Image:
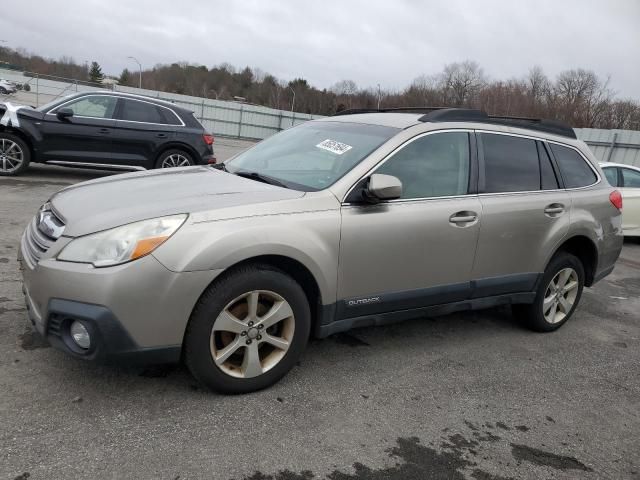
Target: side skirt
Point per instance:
(322, 331)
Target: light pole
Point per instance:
(378, 96)
(140, 68)
(293, 102)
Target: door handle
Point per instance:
(554, 209)
(103, 130)
(463, 217)
(161, 135)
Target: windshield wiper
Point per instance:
(260, 178)
(220, 166)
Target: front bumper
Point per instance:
(135, 312)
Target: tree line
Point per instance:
(576, 96)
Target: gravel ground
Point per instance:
(471, 395)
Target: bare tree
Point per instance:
(460, 82)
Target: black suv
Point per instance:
(104, 130)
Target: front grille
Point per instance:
(35, 241)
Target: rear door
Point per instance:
(525, 213)
(630, 189)
(86, 136)
(141, 130)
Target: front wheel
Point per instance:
(247, 330)
(174, 158)
(14, 154)
(558, 294)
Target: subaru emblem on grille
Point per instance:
(49, 224)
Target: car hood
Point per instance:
(116, 200)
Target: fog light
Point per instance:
(80, 335)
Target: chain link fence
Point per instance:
(222, 118)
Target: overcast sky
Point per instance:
(371, 41)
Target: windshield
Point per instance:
(312, 156)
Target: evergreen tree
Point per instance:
(125, 76)
(95, 73)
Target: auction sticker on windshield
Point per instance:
(334, 146)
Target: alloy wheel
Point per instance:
(560, 295)
(252, 334)
(175, 160)
(11, 156)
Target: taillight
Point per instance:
(208, 139)
(212, 161)
(616, 199)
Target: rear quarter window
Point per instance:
(574, 169)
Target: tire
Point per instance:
(15, 155)
(3, 91)
(221, 326)
(174, 158)
(564, 275)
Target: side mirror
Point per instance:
(383, 187)
(64, 112)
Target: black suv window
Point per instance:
(435, 165)
(135, 111)
(575, 171)
(511, 164)
(95, 106)
(631, 178)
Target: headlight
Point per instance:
(122, 244)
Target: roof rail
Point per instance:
(445, 114)
(470, 115)
(354, 111)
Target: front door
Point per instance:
(86, 136)
(418, 250)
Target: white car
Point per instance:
(627, 179)
(7, 87)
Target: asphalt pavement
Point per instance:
(463, 396)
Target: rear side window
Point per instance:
(575, 171)
(631, 178)
(612, 175)
(435, 165)
(170, 118)
(511, 164)
(135, 111)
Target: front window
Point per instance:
(94, 106)
(314, 155)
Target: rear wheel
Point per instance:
(3, 91)
(247, 331)
(14, 154)
(558, 294)
(174, 158)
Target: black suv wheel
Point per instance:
(14, 154)
(174, 158)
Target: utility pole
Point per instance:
(140, 69)
(378, 96)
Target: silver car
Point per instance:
(350, 221)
